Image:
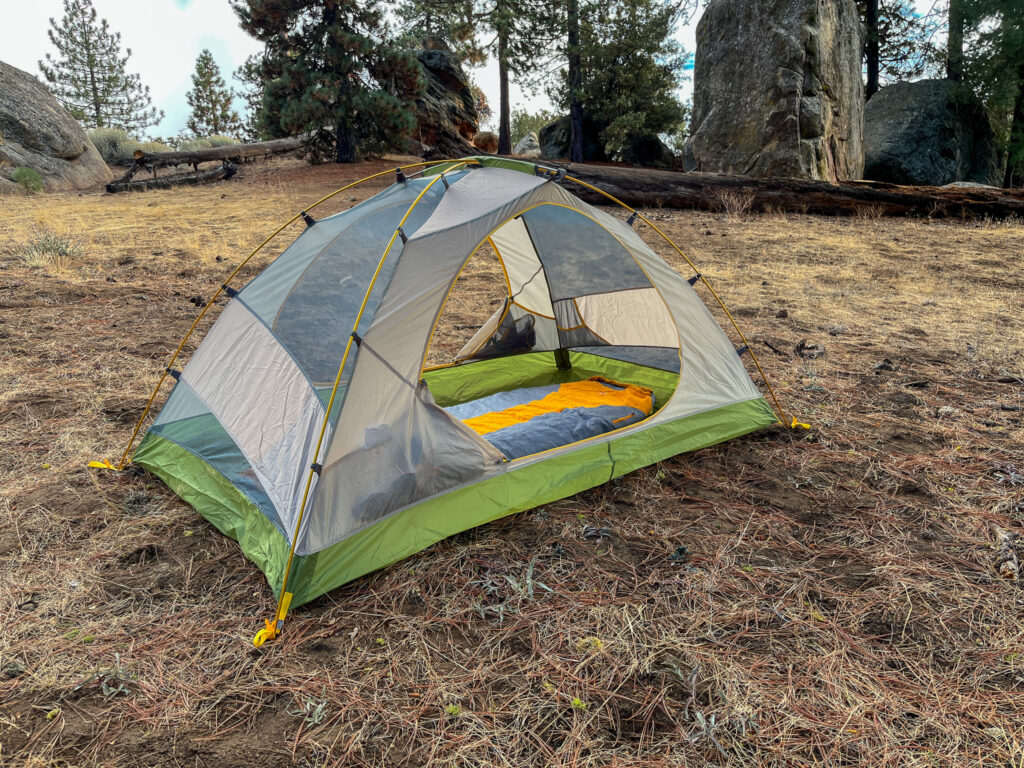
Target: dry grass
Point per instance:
(823, 598)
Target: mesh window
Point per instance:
(186, 421)
(310, 295)
(579, 256)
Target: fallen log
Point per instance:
(648, 188)
(225, 171)
(234, 153)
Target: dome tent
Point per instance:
(307, 426)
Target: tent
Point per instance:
(307, 426)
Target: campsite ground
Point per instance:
(821, 597)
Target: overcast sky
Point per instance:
(165, 37)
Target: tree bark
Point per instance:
(672, 189)
(504, 110)
(233, 152)
(955, 43)
(346, 149)
(871, 47)
(1014, 166)
(225, 171)
(575, 83)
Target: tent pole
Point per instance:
(273, 628)
(105, 464)
(735, 325)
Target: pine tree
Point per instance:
(330, 64)
(250, 74)
(521, 35)
(993, 67)
(630, 69)
(89, 75)
(210, 99)
(451, 20)
(898, 43)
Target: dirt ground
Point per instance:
(825, 597)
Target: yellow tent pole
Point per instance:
(167, 368)
(667, 239)
(273, 628)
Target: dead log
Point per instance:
(225, 171)
(649, 188)
(234, 153)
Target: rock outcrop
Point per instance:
(649, 151)
(446, 116)
(928, 132)
(486, 142)
(778, 89)
(528, 146)
(554, 140)
(38, 133)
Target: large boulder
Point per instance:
(554, 140)
(649, 151)
(446, 116)
(930, 132)
(528, 146)
(38, 133)
(778, 89)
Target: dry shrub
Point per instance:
(50, 251)
(734, 202)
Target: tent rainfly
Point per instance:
(307, 427)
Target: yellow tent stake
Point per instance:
(272, 630)
(667, 239)
(230, 277)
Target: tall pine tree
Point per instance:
(250, 75)
(89, 75)
(898, 42)
(330, 64)
(630, 69)
(210, 100)
(993, 67)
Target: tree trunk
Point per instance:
(504, 111)
(955, 44)
(232, 152)
(1013, 165)
(575, 84)
(672, 189)
(226, 171)
(346, 145)
(871, 48)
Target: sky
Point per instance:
(165, 36)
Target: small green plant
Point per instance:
(28, 179)
(50, 250)
(312, 711)
(113, 681)
(453, 709)
(579, 704)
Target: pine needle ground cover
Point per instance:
(828, 597)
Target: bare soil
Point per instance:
(813, 597)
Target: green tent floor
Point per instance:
(519, 485)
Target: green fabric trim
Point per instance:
(489, 161)
(220, 502)
(416, 527)
(462, 383)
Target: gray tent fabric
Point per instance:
(428, 449)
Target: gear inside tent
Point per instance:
(308, 427)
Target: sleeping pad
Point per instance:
(525, 421)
